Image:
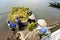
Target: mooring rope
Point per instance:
(5, 13)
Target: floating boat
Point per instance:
(55, 4)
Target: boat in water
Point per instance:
(57, 5)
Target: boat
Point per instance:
(55, 4)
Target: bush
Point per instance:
(31, 26)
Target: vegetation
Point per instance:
(31, 26)
(21, 11)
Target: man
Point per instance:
(42, 29)
(31, 18)
(19, 23)
(12, 26)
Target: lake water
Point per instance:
(40, 8)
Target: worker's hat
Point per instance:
(32, 16)
(42, 22)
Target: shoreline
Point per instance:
(55, 25)
(6, 32)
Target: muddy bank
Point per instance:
(5, 32)
(56, 25)
(4, 35)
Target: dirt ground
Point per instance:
(5, 34)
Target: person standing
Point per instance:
(19, 23)
(31, 19)
(12, 26)
(41, 28)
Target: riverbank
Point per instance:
(6, 33)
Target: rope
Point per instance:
(4, 13)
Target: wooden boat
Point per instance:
(55, 4)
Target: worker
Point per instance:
(19, 23)
(12, 26)
(41, 28)
(31, 18)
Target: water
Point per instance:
(39, 7)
